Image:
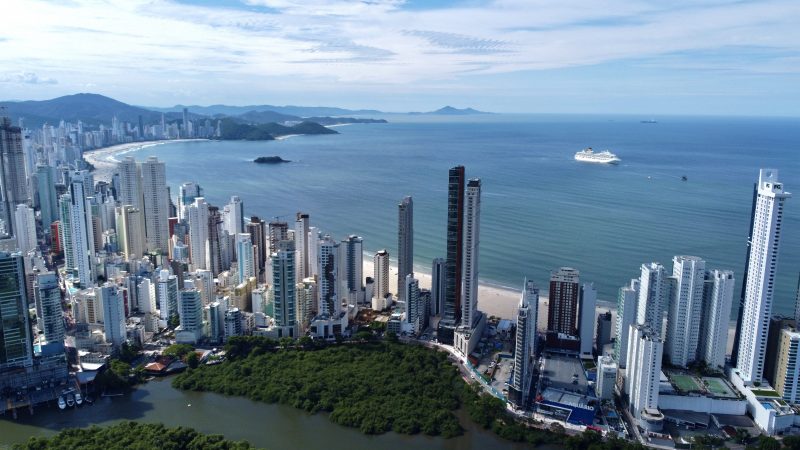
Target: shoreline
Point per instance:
(104, 159)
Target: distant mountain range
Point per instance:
(95, 109)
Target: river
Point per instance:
(274, 427)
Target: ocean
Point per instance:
(540, 208)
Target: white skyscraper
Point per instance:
(525, 347)
(405, 243)
(653, 295)
(761, 268)
(685, 308)
(381, 278)
(80, 236)
(130, 232)
(233, 216)
(588, 308)
(190, 307)
(472, 227)
(113, 314)
(25, 228)
(198, 232)
(643, 372)
(167, 295)
(156, 205)
(626, 316)
(186, 195)
(717, 302)
(245, 257)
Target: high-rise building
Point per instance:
(437, 286)
(718, 299)
(606, 377)
(327, 283)
(25, 228)
(167, 295)
(405, 243)
(797, 302)
(284, 283)
(685, 307)
(413, 306)
(643, 375)
(472, 227)
(278, 231)
(190, 307)
(185, 128)
(519, 388)
(76, 214)
(130, 232)
(46, 190)
(787, 365)
(454, 263)
(603, 333)
(234, 216)
(353, 263)
(48, 295)
(13, 183)
(306, 306)
(217, 239)
(186, 195)
(245, 256)
(15, 345)
(653, 295)
(562, 314)
(113, 302)
(156, 205)
(760, 277)
(588, 308)
(198, 232)
(257, 231)
(130, 183)
(302, 242)
(381, 278)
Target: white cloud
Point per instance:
(26, 78)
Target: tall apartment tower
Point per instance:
(588, 319)
(190, 307)
(278, 231)
(437, 286)
(302, 242)
(156, 205)
(761, 268)
(284, 283)
(48, 295)
(130, 232)
(257, 229)
(113, 302)
(414, 307)
(626, 316)
(381, 279)
(46, 190)
(197, 214)
(454, 263)
(787, 365)
(245, 257)
(405, 243)
(13, 183)
(25, 228)
(15, 347)
(328, 256)
(353, 262)
(797, 302)
(562, 314)
(215, 242)
(643, 372)
(234, 216)
(653, 295)
(685, 307)
(472, 228)
(167, 295)
(130, 183)
(525, 347)
(186, 195)
(717, 303)
(80, 236)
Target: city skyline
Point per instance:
(726, 57)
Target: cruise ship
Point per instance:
(604, 157)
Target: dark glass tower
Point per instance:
(451, 315)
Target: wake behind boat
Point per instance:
(589, 155)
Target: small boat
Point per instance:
(684, 178)
(61, 403)
(70, 400)
(78, 399)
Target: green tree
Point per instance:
(178, 350)
(791, 442)
(768, 443)
(192, 360)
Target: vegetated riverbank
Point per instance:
(132, 435)
(376, 387)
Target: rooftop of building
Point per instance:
(686, 383)
(566, 373)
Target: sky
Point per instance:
(541, 56)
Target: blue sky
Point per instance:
(605, 56)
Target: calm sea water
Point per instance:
(540, 208)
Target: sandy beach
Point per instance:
(105, 159)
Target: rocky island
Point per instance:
(270, 160)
